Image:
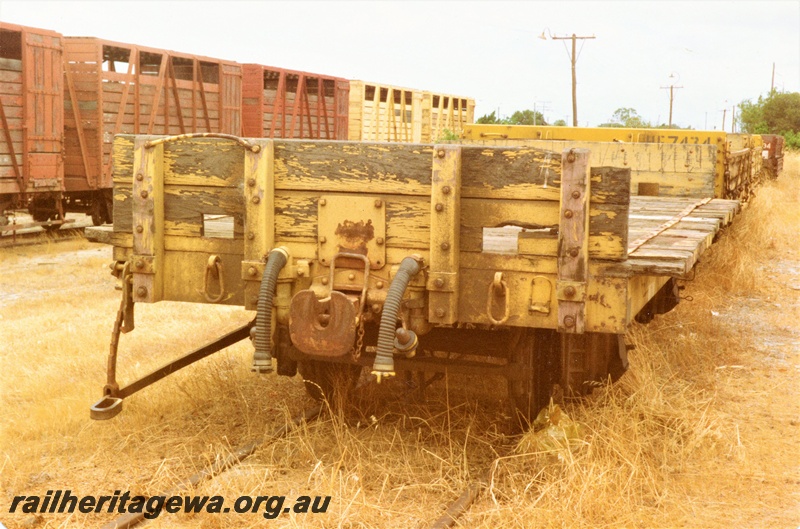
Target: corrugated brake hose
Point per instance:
(384, 359)
(262, 357)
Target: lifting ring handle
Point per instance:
(214, 268)
(497, 284)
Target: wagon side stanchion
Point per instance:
(142, 275)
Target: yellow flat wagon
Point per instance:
(531, 264)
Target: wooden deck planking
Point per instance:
(676, 249)
(672, 252)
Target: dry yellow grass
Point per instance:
(701, 432)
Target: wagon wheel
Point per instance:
(98, 213)
(44, 210)
(327, 380)
(536, 355)
(102, 205)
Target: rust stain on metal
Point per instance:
(322, 328)
(354, 236)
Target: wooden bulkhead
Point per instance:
(282, 196)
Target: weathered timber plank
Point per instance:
(368, 167)
(607, 225)
(407, 219)
(515, 173)
(204, 162)
(573, 242)
(196, 162)
(679, 169)
(642, 266)
(184, 208)
(123, 208)
(608, 231)
(610, 185)
(101, 234)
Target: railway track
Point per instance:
(449, 518)
(471, 492)
(38, 235)
(237, 456)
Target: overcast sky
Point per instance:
(720, 52)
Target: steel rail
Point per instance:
(237, 456)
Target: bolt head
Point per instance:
(252, 271)
(569, 292)
(250, 235)
(378, 203)
(445, 246)
(576, 194)
(440, 153)
(323, 240)
(324, 280)
(139, 263)
(379, 284)
(574, 252)
(251, 182)
(446, 190)
(440, 207)
(569, 321)
(143, 194)
(379, 241)
(568, 214)
(139, 229)
(439, 313)
(438, 282)
(351, 277)
(256, 199)
(322, 202)
(141, 292)
(376, 307)
(571, 157)
(139, 176)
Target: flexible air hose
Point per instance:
(262, 359)
(384, 359)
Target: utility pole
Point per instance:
(772, 86)
(671, 97)
(543, 108)
(573, 59)
(733, 119)
(724, 111)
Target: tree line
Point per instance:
(622, 117)
(520, 117)
(777, 113)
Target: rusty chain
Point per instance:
(359, 340)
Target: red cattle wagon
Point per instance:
(31, 116)
(117, 88)
(280, 103)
